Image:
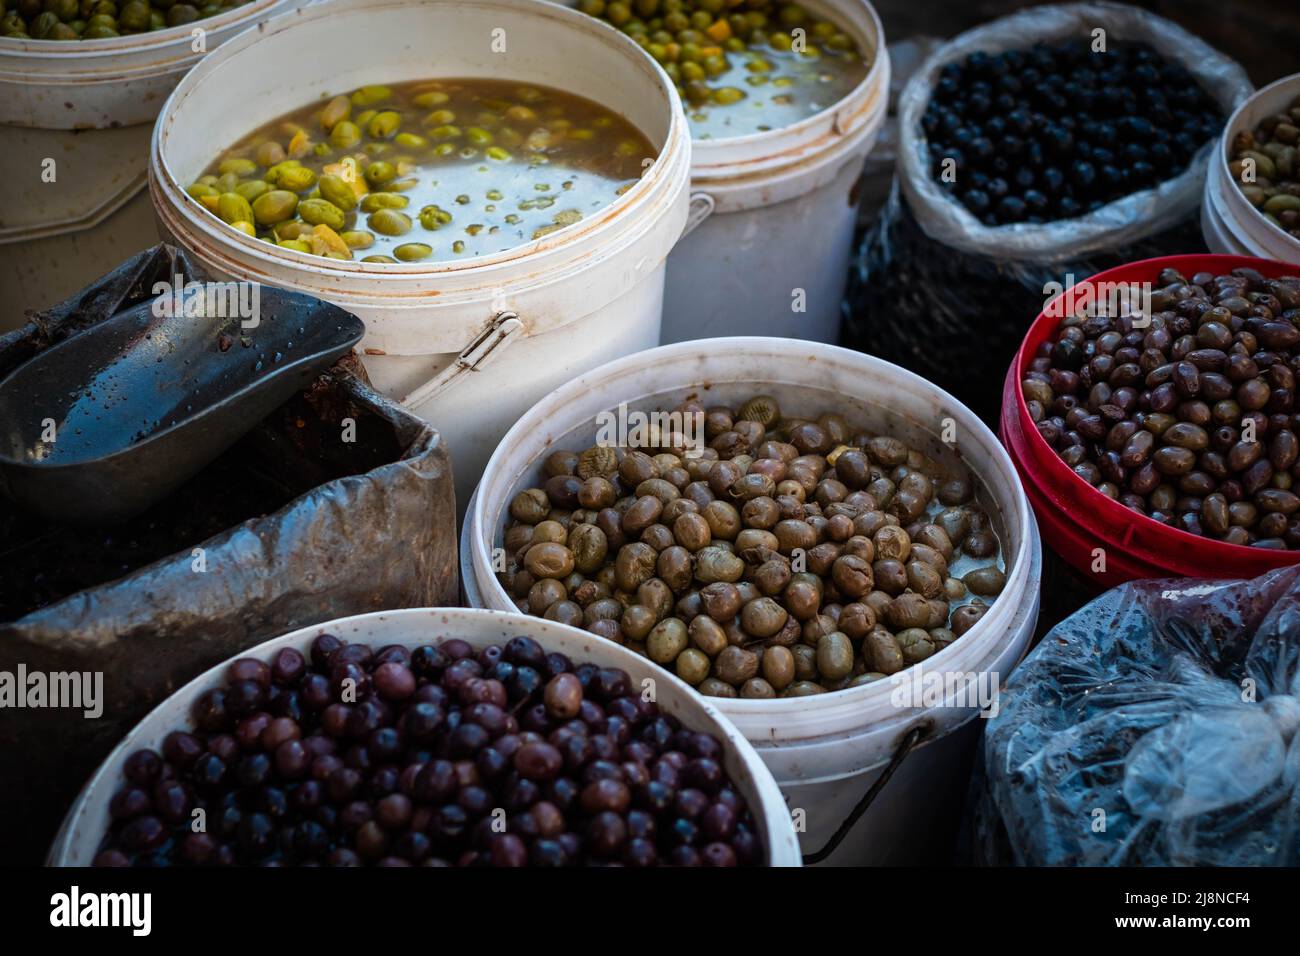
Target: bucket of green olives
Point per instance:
(507, 210)
(790, 528)
(784, 99)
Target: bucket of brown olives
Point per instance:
(1161, 440)
(797, 530)
(1251, 204)
(432, 737)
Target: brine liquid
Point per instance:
(480, 166)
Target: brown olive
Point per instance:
(965, 617)
(763, 617)
(637, 621)
(721, 600)
(530, 506)
(723, 519)
(852, 576)
(559, 463)
(778, 667)
(880, 649)
(761, 512)
(666, 640)
(924, 579)
(565, 612)
(589, 547)
(908, 610)
(803, 596)
(707, 635)
(596, 492)
(634, 564)
(915, 644)
(549, 560)
(674, 567)
(597, 460)
(892, 542)
(658, 537)
(714, 564)
(834, 656)
(642, 514)
(735, 665)
(543, 594)
(986, 582)
(890, 575)
(857, 620)
(657, 596)
(712, 687)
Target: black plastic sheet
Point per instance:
(1156, 726)
(957, 318)
(295, 525)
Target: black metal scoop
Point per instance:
(97, 428)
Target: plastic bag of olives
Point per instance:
(1165, 709)
(1029, 154)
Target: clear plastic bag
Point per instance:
(1156, 726)
(1115, 224)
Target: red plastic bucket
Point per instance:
(1081, 524)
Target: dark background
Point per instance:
(1262, 35)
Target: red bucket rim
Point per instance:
(1061, 474)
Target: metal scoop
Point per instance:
(104, 424)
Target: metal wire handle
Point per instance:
(905, 747)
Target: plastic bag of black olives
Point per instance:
(294, 526)
(1066, 160)
(1155, 727)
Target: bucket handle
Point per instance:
(492, 341)
(700, 208)
(905, 747)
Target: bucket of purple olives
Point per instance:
(800, 532)
(1151, 412)
(432, 737)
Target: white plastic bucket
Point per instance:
(86, 106)
(468, 345)
(86, 823)
(773, 213)
(826, 750)
(1229, 223)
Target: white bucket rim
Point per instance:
(770, 814)
(868, 703)
(657, 178)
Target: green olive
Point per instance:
(338, 191)
(373, 202)
(389, 222)
(379, 173)
(413, 251)
(274, 207)
(318, 211)
(232, 207)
